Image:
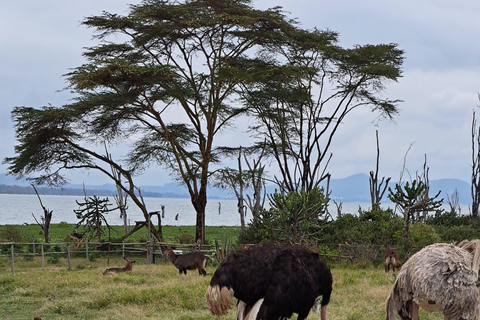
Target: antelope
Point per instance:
(114, 271)
(188, 261)
(391, 259)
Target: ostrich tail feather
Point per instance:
(219, 300)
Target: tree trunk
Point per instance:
(241, 209)
(475, 187)
(199, 203)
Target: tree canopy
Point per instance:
(166, 79)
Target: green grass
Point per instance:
(60, 232)
(154, 291)
(157, 291)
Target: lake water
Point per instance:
(18, 209)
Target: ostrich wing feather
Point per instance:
(438, 278)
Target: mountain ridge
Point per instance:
(354, 188)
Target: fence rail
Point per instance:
(149, 249)
(152, 249)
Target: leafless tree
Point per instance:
(475, 187)
(339, 206)
(377, 190)
(45, 219)
(257, 181)
(240, 180)
(121, 196)
(425, 195)
(453, 202)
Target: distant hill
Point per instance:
(354, 188)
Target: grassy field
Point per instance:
(157, 291)
(60, 232)
(154, 291)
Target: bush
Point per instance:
(186, 239)
(422, 235)
(92, 256)
(295, 217)
(53, 258)
(12, 234)
(370, 230)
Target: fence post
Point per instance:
(149, 253)
(68, 257)
(33, 247)
(43, 257)
(339, 253)
(123, 248)
(12, 255)
(108, 255)
(86, 248)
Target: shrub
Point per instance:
(92, 256)
(53, 258)
(294, 217)
(423, 235)
(10, 233)
(186, 239)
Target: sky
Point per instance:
(41, 41)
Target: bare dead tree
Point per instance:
(241, 181)
(45, 219)
(425, 195)
(453, 203)
(339, 207)
(475, 186)
(377, 190)
(241, 209)
(257, 181)
(121, 197)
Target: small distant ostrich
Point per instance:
(391, 259)
(270, 281)
(440, 277)
(115, 271)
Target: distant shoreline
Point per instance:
(8, 189)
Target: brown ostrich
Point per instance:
(439, 278)
(270, 281)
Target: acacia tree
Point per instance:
(52, 140)
(162, 80)
(303, 102)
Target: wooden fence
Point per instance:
(151, 250)
(148, 249)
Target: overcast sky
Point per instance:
(41, 40)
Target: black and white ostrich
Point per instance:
(270, 281)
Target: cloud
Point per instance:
(42, 40)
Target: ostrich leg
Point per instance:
(415, 308)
